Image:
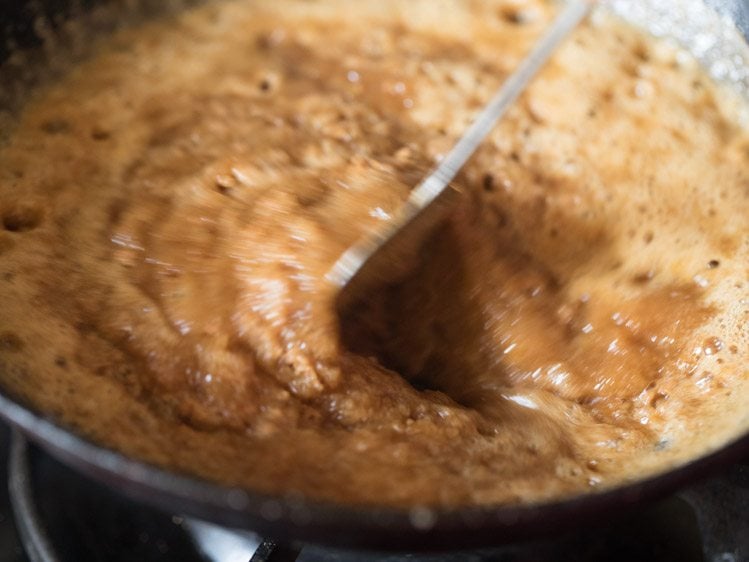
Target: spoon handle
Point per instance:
(437, 182)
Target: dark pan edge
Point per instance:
(293, 519)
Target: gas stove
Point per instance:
(48, 513)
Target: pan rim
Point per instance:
(326, 523)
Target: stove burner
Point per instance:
(33, 536)
(61, 516)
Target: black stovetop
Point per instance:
(85, 521)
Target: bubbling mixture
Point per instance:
(170, 208)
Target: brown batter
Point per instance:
(171, 207)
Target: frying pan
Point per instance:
(23, 26)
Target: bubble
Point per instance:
(422, 518)
(55, 126)
(10, 342)
(21, 218)
(271, 510)
(237, 499)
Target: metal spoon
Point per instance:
(381, 255)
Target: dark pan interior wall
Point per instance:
(18, 20)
